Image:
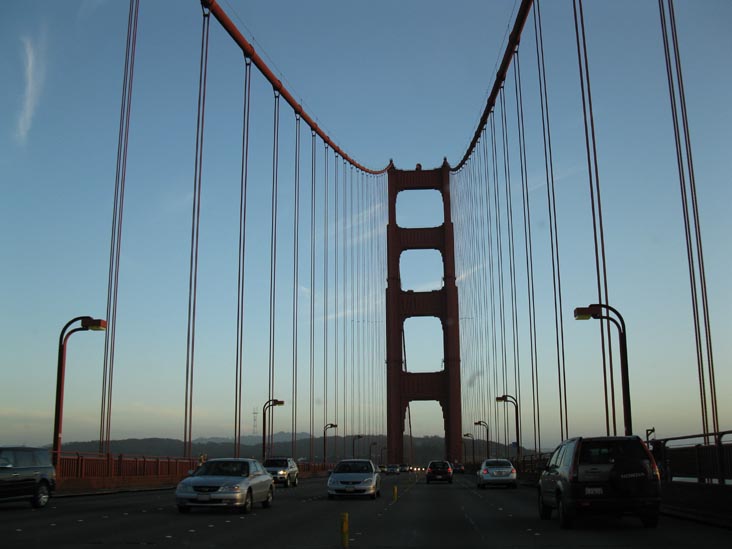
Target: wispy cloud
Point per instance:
(88, 7)
(35, 72)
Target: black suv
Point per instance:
(614, 475)
(284, 470)
(439, 470)
(26, 474)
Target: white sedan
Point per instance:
(226, 482)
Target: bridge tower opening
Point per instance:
(443, 385)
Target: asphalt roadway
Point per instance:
(437, 515)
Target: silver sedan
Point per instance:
(226, 482)
(354, 477)
(497, 472)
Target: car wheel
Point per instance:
(184, 509)
(565, 519)
(41, 495)
(330, 496)
(545, 512)
(649, 520)
(268, 502)
(373, 496)
(287, 482)
(450, 481)
(247, 507)
(427, 481)
(295, 481)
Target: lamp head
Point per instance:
(502, 398)
(96, 324)
(278, 403)
(586, 313)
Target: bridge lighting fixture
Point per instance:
(598, 312)
(267, 405)
(87, 323)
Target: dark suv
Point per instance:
(439, 470)
(26, 474)
(284, 470)
(614, 475)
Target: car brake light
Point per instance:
(449, 470)
(485, 471)
(513, 471)
(429, 469)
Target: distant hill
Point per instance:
(420, 450)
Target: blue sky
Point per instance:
(387, 80)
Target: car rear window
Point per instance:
(599, 452)
(498, 463)
(439, 465)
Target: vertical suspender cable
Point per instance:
(335, 297)
(242, 255)
(344, 310)
(325, 294)
(512, 267)
(501, 291)
(195, 223)
(273, 259)
(116, 238)
(313, 160)
(295, 284)
(595, 197)
(553, 229)
(529, 255)
(698, 262)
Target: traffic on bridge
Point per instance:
(468, 262)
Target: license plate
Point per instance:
(204, 497)
(438, 476)
(349, 489)
(594, 491)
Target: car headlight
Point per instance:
(230, 488)
(281, 472)
(368, 480)
(332, 481)
(184, 487)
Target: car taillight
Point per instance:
(429, 469)
(449, 470)
(485, 471)
(513, 471)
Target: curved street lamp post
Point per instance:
(487, 437)
(87, 323)
(353, 444)
(512, 400)
(267, 405)
(325, 439)
(470, 436)
(596, 311)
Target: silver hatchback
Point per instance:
(226, 482)
(497, 472)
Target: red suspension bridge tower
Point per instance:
(402, 386)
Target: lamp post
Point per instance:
(381, 454)
(325, 440)
(267, 405)
(470, 436)
(373, 444)
(512, 400)
(487, 437)
(596, 311)
(353, 444)
(87, 323)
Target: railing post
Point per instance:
(699, 473)
(721, 469)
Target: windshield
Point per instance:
(223, 469)
(276, 463)
(353, 467)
